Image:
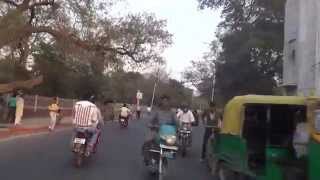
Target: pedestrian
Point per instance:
(12, 105)
(138, 111)
(19, 108)
(212, 122)
(3, 105)
(53, 112)
(108, 110)
(196, 118)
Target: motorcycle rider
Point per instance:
(185, 116)
(163, 115)
(86, 115)
(124, 112)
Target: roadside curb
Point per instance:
(25, 131)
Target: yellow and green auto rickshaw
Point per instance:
(267, 138)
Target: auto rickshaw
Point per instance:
(258, 139)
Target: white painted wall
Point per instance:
(302, 25)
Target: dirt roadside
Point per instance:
(31, 126)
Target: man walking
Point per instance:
(19, 109)
(138, 111)
(12, 105)
(212, 122)
(53, 112)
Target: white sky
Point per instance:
(192, 29)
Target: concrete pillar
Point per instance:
(306, 46)
(317, 61)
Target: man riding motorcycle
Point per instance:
(87, 116)
(186, 119)
(185, 116)
(124, 112)
(164, 115)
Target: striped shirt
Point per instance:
(86, 114)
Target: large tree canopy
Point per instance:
(82, 27)
(251, 41)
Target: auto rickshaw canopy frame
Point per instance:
(233, 116)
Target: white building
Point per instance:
(301, 73)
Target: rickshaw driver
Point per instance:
(301, 136)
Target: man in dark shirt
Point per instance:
(163, 115)
(212, 122)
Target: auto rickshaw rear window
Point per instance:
(270, 126)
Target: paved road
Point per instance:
(48, 157)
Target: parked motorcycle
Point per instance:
(185, 138)
(80, 146)
(164, 149)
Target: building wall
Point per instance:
(317, 61)
(290, 73)
(301, 50)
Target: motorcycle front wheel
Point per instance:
(78, 160)
(183, 151)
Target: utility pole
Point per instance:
(212, 91)
(213, 82)
(155, 87)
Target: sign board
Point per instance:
(139, 95)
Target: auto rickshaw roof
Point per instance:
(233, 112)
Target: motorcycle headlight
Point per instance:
(171, 140)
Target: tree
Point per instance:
(201, 74)
(251, 39)
(83, 28)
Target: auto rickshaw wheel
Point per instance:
(225, 173)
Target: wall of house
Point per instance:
(301, 50)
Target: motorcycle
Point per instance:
(80, 146)
(123, 122)
(164, 149)
(185, 138)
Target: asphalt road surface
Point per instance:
(48, 157)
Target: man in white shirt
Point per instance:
(124, 112)
(88, 116)
(185, 116)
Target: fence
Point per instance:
(37, 106)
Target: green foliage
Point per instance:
(73, 79)
(84, 27)
(251, 39)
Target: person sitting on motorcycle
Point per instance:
(124, 112)
(163, 115)
(86, 115)
(185, 116)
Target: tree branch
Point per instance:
(42, 3)
(10, 2)
(85, 44)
